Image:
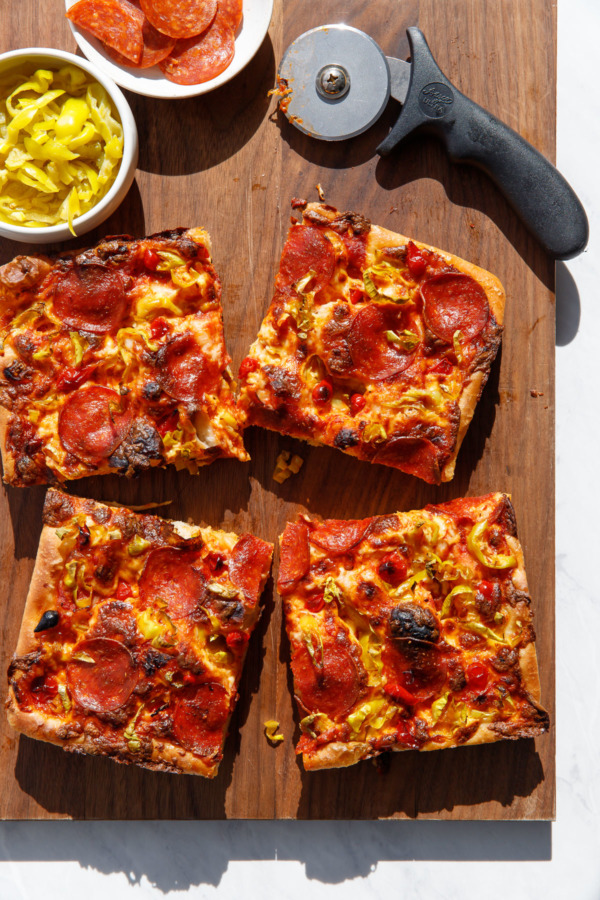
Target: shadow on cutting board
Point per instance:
(198, 133)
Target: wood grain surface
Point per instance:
(227, 161)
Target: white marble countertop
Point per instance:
(54, 860)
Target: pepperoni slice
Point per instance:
(305, 250)
(91, 297)
(106, 683)
(231, 12)
(114, 23)
(115, 620)
(174, 576)
(184, 371)
(93, 422)
(294, 557)
(200, 718)
(454, 302)
(419, 667)
(180, 18)
(339, 536)
(155, 45)
(329, 683)
(373, 355)
(415, 455)
(249, 560)
(199, 59)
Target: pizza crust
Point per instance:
(165, 757)
(8, 460)
(47, 561)
(337, 755)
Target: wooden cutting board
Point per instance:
(228, 161)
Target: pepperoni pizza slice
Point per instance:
(374, 344)
(134, 635)
(410, 631)
(113, 360)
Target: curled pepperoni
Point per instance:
(373, 355)
(305, 250)
(231, 12)
(105, 683)
(91, 297)
(155, 45)
(454, 302)
(415, 455)
(339, 536)
(174, 576)
(201, 58)
(294, 556)
(418, 667)
(185, 373)
(200, 718)
(115, 23)
(248, 564)
(93, 422)
(329, 683)
(180, 18)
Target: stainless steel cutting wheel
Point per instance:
(339, 80)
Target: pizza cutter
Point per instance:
(339, 82)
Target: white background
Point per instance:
(89, 861)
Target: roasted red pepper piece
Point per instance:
(477, 676)
(322, 392)
(71, 378)
(159, 328)
(248, 365)
(169, 423)
(236, 641)
(415, 261)
(151, 259)
(357, 402)
(397, 692)
(123, 591)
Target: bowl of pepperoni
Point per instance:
(169, 48)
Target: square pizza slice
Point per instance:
(134, 635)
(375, 344)
(410, 631)
(113, 360)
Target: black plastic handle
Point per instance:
(537, 191)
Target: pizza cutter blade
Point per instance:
(335, 81)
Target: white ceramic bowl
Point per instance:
(152, 82)
(39, 57)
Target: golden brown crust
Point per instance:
(467, 403)
(530, 675)
(8, 460)
(336, 755)
(165, 757)
(47, 561)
